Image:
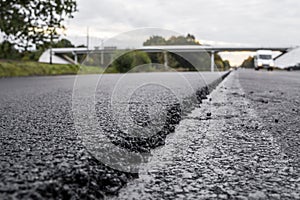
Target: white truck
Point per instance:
(264, 60)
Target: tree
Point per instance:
(190, 37)
(155, 40)
(27, 22)
(123, 63)
(248, 63)
(63, 43)
(140, 58)
(129, 60)
(35, 55)
(174, 40)
(174, 60)
(181, 40)
(8, 51)
(226, 64)
(190, 61)
(221, 64)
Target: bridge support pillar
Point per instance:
(212, 62)
(102, 57)
(75, 58)
(166, 61)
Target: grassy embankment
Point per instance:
(9, 68)
(19, 68)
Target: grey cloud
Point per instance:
(253, 21)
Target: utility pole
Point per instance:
(87, 38)
(51, 34)
(87, 43)
(102, 52)
(51, 52)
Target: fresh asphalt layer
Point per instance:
(247, 149)
(240, 143)
(49, 148)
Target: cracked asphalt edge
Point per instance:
(219, 151)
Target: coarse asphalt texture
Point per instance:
(42, 153)
(248, 149)
(240, 143)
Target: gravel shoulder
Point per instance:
(226, 149)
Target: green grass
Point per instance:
(18, 68)
(10, 68)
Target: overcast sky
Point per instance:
(258, 22)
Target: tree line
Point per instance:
(33, 24)
(197, 61)
(192, 61)
(36, 24)
(28, 23)
(8, 50)
(248, 63)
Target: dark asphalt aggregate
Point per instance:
(44, 153)
(276, 98)
(247, 149)
(41, 155)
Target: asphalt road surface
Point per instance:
(247, 149)
(50, 129)
(59, 138)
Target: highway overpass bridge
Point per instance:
(58, 55)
